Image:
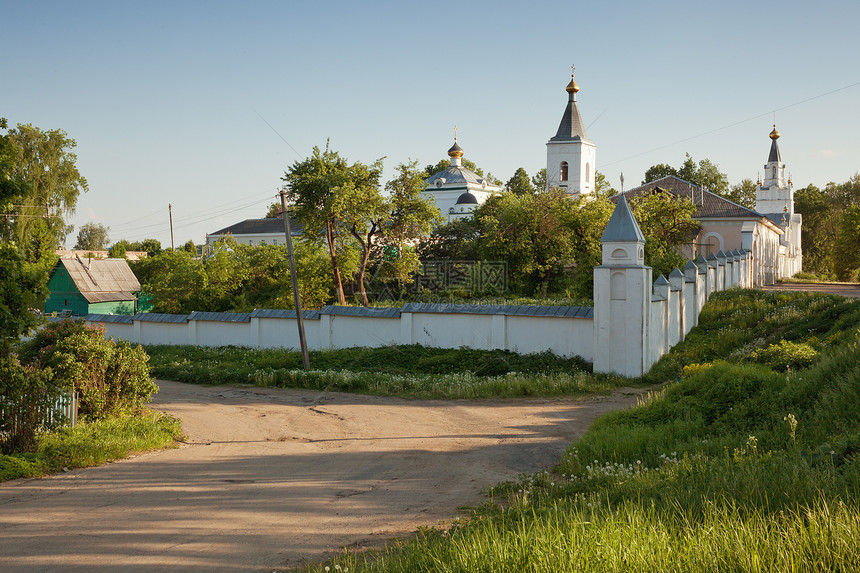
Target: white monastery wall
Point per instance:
(633, 322)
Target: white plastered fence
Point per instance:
(634, 320)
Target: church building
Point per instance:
(570, 155)
(457, 191)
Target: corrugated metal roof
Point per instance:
(260, 227)
(708, 205)
(506, 309)
(378, 312)
(157, 317)
(101, 275)
(113, 318)
(220, 316)
(93, 297)
(283, 313)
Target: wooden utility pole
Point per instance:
(170, 212)
(295, 279)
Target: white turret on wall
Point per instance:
(570, 155)
(622, 298)
(775, 199)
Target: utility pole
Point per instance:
(170, 212)
(295, 279)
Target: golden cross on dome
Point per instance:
(455, 133)
(571, 70)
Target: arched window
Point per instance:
(564, 170)
(587, 173)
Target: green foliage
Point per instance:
(110, 377)
(602, 186)
(786, 355)
(520, 184)
(539, 235)
(235, 277)
(735, 466)
(743, 193)
(830, 230)
(408, 371)
(26, 396)
(704, 174)
(92, 237)
(118, 250)
(92, 443)
(44, 161)
(190, 248)
(22, 287)
(667, 222)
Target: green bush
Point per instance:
(786, 355)
(27, 395)
(110, 377)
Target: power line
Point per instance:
(278, 134)
(734, 124)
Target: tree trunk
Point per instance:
(365, 256)
(338, 285)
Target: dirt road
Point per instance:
(270, 477)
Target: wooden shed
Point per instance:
(98, 286)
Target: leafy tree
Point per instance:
(45, 161)
(847, 253)
(323, 189)
(190, 247)
(358, 205)
(704, 174)
(536, 234)
(743, 193)
(92, 237)
(667, 222)
(22, 287)
(456, 241)
(519, 183)
(410, 217)
(602, 186)
(174, 279)
(117, 251)
(274, 211)
(312, 184)
(659, 171)
(539, 180)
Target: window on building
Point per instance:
(564, 170)
(587, 173)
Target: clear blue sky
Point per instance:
(169, 101)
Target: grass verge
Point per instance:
(407, 371)
(91, 444)
(749, 461)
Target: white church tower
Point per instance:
(775, 199)
(570, 155)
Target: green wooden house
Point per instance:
(92, 286)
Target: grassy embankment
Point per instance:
(750, 462)
(91, 444)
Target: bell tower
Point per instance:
(570, 155)
(774, 195)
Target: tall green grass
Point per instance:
(408, 371)
(92, 443)
(749, 460)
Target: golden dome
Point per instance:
(456, 151)
(774, 135)
(571, 87)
